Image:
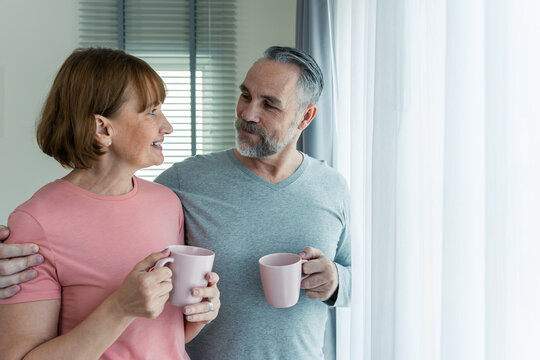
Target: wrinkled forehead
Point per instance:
(268, 77)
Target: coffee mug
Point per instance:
(281, 275)
(189, 265)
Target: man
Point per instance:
(262, 197)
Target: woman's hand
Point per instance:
(144, 293)
(198, 315)
(30, 329)
(207, 310)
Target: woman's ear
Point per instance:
(103, 134)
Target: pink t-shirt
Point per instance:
(90, 242)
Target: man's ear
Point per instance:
(103, 134)
(309, 113)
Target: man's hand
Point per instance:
(15, 259)
(322, 281)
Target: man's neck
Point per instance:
(275, 168)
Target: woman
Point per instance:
(103, 119)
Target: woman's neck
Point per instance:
(102, 180)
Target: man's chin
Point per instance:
(251, 152)
(248, 152)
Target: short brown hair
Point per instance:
(92, 81)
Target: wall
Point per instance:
(35, 38)
(263, 23)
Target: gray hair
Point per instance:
(311, 78)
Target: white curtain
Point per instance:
(438, 113)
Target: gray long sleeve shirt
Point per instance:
(242, 217)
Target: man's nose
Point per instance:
(250, 112)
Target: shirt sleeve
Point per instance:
(24, 228)
(343, 261)
(181, 239)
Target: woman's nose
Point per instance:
(167, 127)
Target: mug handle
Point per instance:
(303, 276)
(162, 263)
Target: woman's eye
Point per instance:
(152, 112)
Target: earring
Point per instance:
(109, 143)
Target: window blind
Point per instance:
(192, 45)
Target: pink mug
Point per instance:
(281, 275)
(189, 265)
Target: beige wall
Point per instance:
(263, 23)
(36, 36)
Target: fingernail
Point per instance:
(190, 317)
(164, 251)
(38, 259)
(31, 274)
(14, 289)
(188, 310)
(211, 277)
(195, 292)
(302, 254)
(34, 248)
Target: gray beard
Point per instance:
(266, 147)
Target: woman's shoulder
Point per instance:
(48, 193)
(28, 215)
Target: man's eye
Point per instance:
(268, 105)
(245, 96)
